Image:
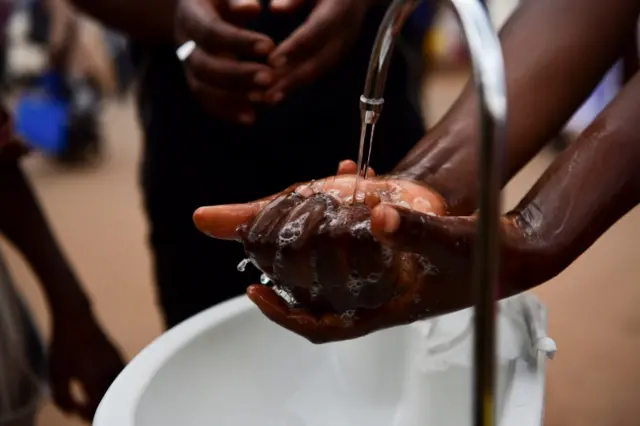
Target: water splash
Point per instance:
(366, 143)
(242, 266)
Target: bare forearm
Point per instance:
(143, 20)
(555, 51)
(587, 189)
(24, 225)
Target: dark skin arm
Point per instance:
(79, 350)
(554, 58)
(23, 224)
(589, 187)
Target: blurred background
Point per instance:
(85, 173)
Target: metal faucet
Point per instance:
(489, 76)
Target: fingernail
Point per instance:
(246, 118)
(262, 78)
(304, 191)
(403, 203)
(255, 97)
(263, 47)
(390, 218)
(279, 62)
(280, 4)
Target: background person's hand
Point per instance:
(81, 354)
(227, 70)
(317, 45)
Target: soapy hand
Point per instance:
(317, 247)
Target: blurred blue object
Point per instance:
(42, 115)
(421, 19)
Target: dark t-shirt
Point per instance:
(193, 159)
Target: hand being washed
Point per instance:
(317, 247)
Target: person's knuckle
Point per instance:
(196, 64)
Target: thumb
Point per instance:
(223, 221)
(349, 167)
(408, 230)
(61, 392)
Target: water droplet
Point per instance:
(242, 266)
(347, 318)
(314, 291)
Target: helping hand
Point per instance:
(80, 352)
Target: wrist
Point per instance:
(445, 161)
(528, 258)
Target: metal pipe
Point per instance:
(489, 76)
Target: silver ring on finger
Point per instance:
(183, 52)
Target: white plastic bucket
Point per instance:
(231, 366)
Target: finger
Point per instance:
(244, 6)
(221, 103)
(301, 73)
(295, 267)
(201, 23)
(88, 410)
(95, 387)
(223, 221)
(229, 74)
(370, 280)
(349, 167)
(61, 390)
(326, 329)
(277, 310)
(309, 37)
(262, 241)
(332, 245)
(285, 6)
(428, 235)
